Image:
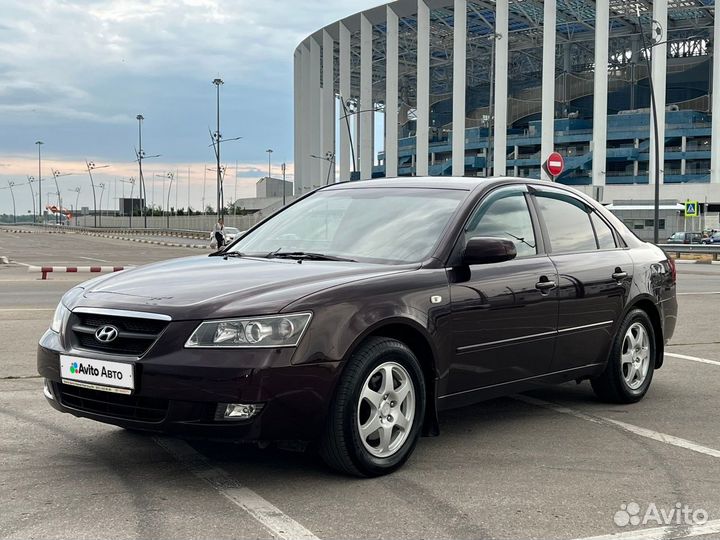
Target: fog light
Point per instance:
(238, 411)
(47, 390)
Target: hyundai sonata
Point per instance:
(354, 316)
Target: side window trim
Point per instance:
(536, 224)
(595, 233)
(535, 190)
(619, 244)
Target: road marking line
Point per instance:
(693, 293)
(693, 358)
(669, 532)
(279, 524)
(92, 259)
(637, 430)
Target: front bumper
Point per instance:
(179, 392)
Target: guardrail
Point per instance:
(697, 249)
(179, 233)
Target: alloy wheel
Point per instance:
(635, 357)
(386, 409)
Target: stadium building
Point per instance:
(482, 88)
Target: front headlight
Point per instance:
(268, 331)
(59, 317)
(61, 312)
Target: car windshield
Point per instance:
(678, 236)
(381, 225)
(231, 230)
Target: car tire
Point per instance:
(631, 363)
(376, 416)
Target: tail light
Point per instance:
(673, 269)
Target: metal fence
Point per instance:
(697, 249)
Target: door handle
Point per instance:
(545, 285)
(619, 274)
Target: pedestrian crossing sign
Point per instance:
(691, 208)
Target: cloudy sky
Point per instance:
(75, 73)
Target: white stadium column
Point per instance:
(366, 111)
(548, 84)
(459, 83)
(298, 118)
(314, 179)
(599, 145)
(659, 77)
(328, 107)
(303, 163)
(344, 162)
(422, 111)
(501, 88)
(715, 141)
(391, 95)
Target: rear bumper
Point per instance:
(181, 393)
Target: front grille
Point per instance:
(144, 409)
(135, 334)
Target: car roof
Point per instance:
(464, 183)
(434, 182)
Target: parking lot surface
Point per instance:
(553, 463)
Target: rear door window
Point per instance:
(603, 232)
(568, 223)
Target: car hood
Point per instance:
(214, 287)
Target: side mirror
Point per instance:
(486, 250)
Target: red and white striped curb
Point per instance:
(45, 270)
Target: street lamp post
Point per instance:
(56, 175)
(102, 190)
(77, 196)
(11, 184)
(346, 116)
(90, 168)
(216, 140)
(282, 167)
(57, 191)
(220, 202)
(654, 120)
(39, 144)
(269, 153)
(140, 155)
(31, 179)
(171, 176)
(330, 158)
(130, 181)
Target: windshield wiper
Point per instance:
(232, 254)
(304, 255)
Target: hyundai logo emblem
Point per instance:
(106, 334)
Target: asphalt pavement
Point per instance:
(554, 463)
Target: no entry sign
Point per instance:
(555, 165)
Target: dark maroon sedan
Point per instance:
(355, 315)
